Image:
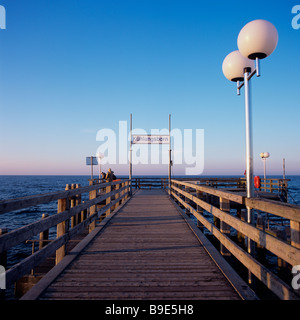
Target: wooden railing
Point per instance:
(199, 198)
(72, 217)
(273, 185)
(149, 183)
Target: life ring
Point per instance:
(257, 182)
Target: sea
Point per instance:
(20, 186)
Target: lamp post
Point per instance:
(257, 40)
(265, 156)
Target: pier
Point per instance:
(139, 239)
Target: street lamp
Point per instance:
(257, 40)
(265, 156)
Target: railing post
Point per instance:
(43, 235)
(122, 192)
(92, 195)
(295, 233)
(77, 202)
(200, 210)
(83, 214)
(295, 241)
(3, 266)
(108, 200)
(224, 227)
(271, 185)
(3, 254)
(239, 234)
(117, 195)
(127, 190)
(62, 228)
(187, 212)
(73, 204)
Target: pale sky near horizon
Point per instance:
(71, 68)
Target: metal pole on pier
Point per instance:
(92, 161)
(130, 156)
(249, 157)
(170, 157)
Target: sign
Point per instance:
(91, 161)
(150, 139)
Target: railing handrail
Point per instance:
(29, 201)
(22, 234)
(282, 209)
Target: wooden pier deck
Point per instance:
(148, 250)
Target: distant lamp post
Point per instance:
(257, 40)
(265, 156)
(99, 156)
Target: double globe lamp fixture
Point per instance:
(256, 41)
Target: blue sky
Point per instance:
(70, 68)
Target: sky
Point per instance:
(69, 69)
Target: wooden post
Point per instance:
(83, 214)
(117, 196)
(224, 227)
(200, 210)
(73, 204)
(43, 235)
(295, 241)
(295, 234)
(3, 266)
(186, 200)
(62, 228)
(239, 235)
(77, 202)
(3, 254)
(122, 192)
(108, 200)
(92, 195)
(281, 234)
(271, 185)
(127, 190)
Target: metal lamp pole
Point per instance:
(257, 40)
(170, 155)
(264, 156)
(130, 157)
(249, 151)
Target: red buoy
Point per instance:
(257, 182)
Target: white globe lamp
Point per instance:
(234, 65)
(257, 39)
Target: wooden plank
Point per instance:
(285, 210)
